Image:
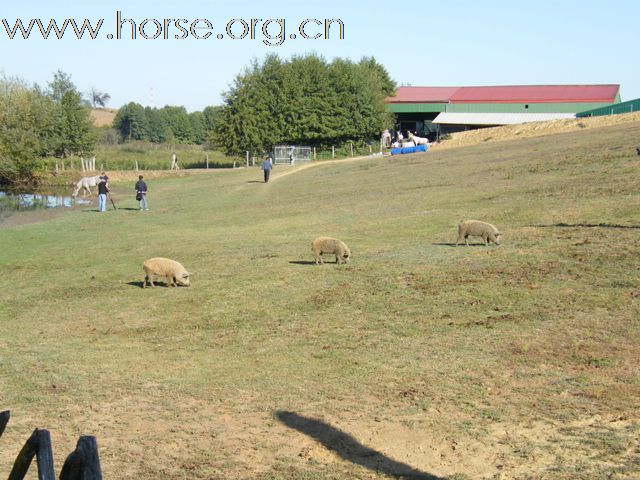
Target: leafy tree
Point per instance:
(303, 100)
(158, 129)
(27, 128)
(198, 133)
(178, 121)
(131, 122)
(212, 115)
(76, 130)
(60, 85)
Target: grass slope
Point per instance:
(417, 359)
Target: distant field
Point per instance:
(103, 116)
(416, 360)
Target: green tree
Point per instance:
(60, 85)
(303, 100)
(212, 116)
(76, 130)
(158, 129)
(27, 125)
(198, 132)
(178, 121)
(131, 122)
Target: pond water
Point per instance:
(34, 200)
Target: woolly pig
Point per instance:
(330, 245)
(163, 267)
(475, 228)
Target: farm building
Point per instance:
(432, 111)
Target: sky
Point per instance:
(421, 43)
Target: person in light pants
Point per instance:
(141, 194)
(103, 189)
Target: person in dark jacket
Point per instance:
(141, 194)
(103, 189)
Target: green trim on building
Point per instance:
(612, 109)
(522, 107)
(416, 107)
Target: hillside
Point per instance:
(103, 116)
(534, 129)
(416, 360)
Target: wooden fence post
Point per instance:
(4, 419)
(351, 148)
(333, 151)
(136, 165)
(207, 160)
(62, 164)
(247, 162)
(314, 153)
(83, 463)
(82, 163)
(38, 445)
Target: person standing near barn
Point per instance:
(103, 189)
(267, 165)
(141, 194)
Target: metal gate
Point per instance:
(290, 154)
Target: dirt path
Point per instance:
(305, 166)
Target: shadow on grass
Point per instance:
(460, 245)
(587, 225)
(141, 284)
(349, 448)
(302, 262)
(256, 181)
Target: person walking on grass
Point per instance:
(267, 165)
(103, 190)
(141, 194)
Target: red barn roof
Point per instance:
(508, 94)
(423, 95)
(536, 94)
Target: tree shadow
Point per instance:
(302, 262)
(350, 449)
(587, 225)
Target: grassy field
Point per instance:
(416, 360)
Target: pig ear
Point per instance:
(185, 275)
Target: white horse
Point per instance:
(85, 183)
(386, 139)
(418, 140)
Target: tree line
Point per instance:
(304, 100)
(170, 124)
(36, 123)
